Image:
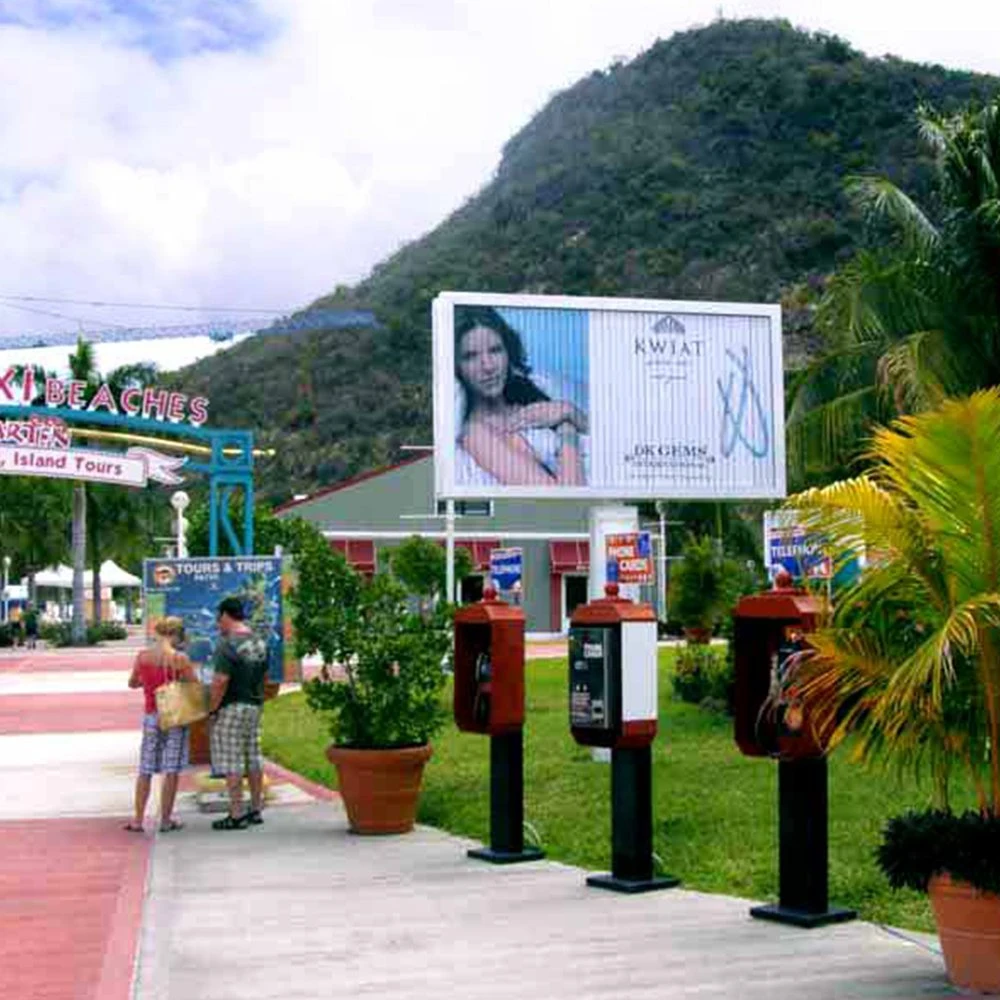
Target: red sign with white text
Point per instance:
(630, 558)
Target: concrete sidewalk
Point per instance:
(299, 908)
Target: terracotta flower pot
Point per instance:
(697, 635)
(380, 788)
(968, 922)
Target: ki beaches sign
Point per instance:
(40, 446)
(506, 573)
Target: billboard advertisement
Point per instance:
(554, 396)
(192, 588)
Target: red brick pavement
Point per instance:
(64, 663)
(70, 905)
(94, 711)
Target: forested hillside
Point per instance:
(712, 166)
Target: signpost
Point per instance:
(507, 574)
(630, 558)
(787, 545)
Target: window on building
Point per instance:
(468, 508)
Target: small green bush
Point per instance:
(702, 673)
(6, 635)
(917, 845)
(110, 631)
(55, 633)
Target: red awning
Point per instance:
(359, 552)
(479, 551)
(569, 557)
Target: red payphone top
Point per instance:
(612, 609)
(489, 666)
(769, 632)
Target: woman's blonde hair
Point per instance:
(169, 630)
(170, 627)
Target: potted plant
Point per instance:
(910, 663)
(380, 687)
(700, 588)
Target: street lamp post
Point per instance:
(179, 501)
(6, 580)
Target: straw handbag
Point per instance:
(179, 703)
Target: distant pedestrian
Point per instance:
(16, 625)
(31, 626)
(240, 664)
(163, 751)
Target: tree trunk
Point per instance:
(95, 559)
(79, 628)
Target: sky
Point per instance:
(254, 154)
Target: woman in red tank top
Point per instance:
(163, 751)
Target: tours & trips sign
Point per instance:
(554, 396)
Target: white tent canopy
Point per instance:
(61, 577)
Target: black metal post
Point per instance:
(803, 819)
(631, 825)
(507, 803)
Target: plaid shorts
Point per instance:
(162, 751)
(236, 739)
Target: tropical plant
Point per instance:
(420, 565)
(910, 663)
(703, 584)
(916, 318)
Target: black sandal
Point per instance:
(254, 818)
(230, 823)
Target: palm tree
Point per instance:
(917, 319)
(83, 367)
(911, 660)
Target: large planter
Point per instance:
(968, 922)
(697, 635)
(380, 788)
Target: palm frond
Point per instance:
(881, 200)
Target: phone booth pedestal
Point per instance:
(769, 632)
(613, 703)
(802, 848)
(489, 699)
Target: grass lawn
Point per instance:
(715, 811)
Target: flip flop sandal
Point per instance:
(171, 826)
(132, 828)
(228, 823)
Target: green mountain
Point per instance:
(710, 167)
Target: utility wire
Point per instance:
(100, 324)
(141, 305)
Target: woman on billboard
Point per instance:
(510, 431)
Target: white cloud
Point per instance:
(264, 174)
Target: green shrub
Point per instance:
(702, 673)
(6, 635)
(111, 631)
(55, 633)
(917, 845)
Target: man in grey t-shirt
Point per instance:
(240, 665)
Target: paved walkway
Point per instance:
(299, 908)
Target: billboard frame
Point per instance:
(442, 316)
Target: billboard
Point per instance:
(588, 398)
(192, 589)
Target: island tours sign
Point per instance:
(42, 418)
(37, 444)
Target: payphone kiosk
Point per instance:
(613, 703)
(489, 699)
(771, 719)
